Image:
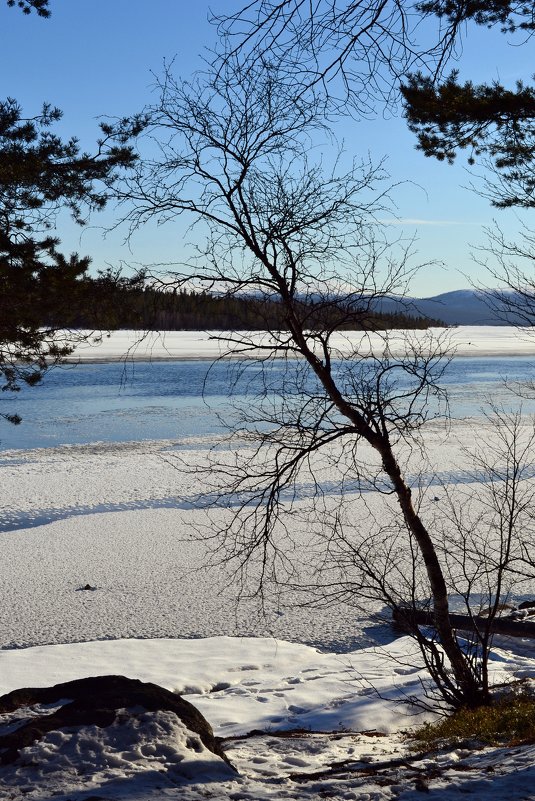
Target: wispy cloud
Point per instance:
(416, 221)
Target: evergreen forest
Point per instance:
(111, 303)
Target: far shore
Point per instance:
(463, 341)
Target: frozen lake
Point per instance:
(144, 400)
(112, 493)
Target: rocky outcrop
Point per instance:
(92, 701)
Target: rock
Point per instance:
(527, 605)
(95, 701)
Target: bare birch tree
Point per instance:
(355, 51)
(234, 150)
(511, 263)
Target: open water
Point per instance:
(114, 402)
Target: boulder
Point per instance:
(93, 701)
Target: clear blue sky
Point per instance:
(95, 57)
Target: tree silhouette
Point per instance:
(27, 6)
(359, 52)
(40, 174)
(234, 153)
(494, 124)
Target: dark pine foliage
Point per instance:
(39, 175)
(119, 303)
(496, 125)
(487, 120)
(27, 6)
(511, 15)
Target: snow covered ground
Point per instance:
(116, 517)
(467, 340)
(344, 715)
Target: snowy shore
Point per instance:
(138, 346)
(263, 685)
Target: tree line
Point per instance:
(111, 302)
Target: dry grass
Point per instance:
(508, 721)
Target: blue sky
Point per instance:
(95, 58)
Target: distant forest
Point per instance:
(109, 303)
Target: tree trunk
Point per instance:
(471, 693)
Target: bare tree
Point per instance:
(511, 263)
(359, 52)
(484, 523)
(355, 50)
(233, 150)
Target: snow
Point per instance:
(151, 745)
(118, 517)
(251, 684)
(139, 346)
(240, 684)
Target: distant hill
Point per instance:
(460, 307)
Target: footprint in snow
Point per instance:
(296, 761)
